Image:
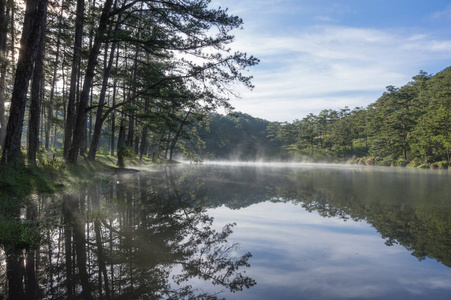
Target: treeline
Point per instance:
(237, 136)
(410, 125)
(118, 76)
(405, 126)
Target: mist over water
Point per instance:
(269, 164)
(287, 230)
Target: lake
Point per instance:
(238, 231)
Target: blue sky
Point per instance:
(321, 54)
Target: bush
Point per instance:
(387, 161)
(400, 163)
(440, 165)
(52, 166)
(123, 153)
(361, 161)
(370, 161)
(414, 163)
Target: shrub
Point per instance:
(370, 161)
(440, 164)
(414, 163)
(52, 166)
(123, 153)
(400, 163)
(387, 161)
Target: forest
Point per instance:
(118, 76)
(144, 79)
(406, 126)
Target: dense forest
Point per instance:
(235, 137)
(119, 76)
(405, 126)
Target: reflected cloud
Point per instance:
(319, 231)
(294, 248)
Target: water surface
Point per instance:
(242, 232)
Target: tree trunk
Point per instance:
(121, 144)
(143, 146)
(113, 119)
(80, 123)
(99, 120)
(113, 115)
(131, 124)
(37, 87)
(52, 89)
(3, 69)
(13, 38)
(35, 15)
(177, 135)
(70, 115)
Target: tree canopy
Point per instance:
(117, 74)
(406, 125)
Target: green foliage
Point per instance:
(16, 234)
(440, 165)
(238, 137)
(407, 126)
(20, 182)
(123, 153)
(53, 166)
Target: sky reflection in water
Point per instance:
(301, 255)
(314, 232)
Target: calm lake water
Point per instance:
(240, 232)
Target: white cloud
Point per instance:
(313, 54)
(303, 70)
(444, 14)
(324, 18)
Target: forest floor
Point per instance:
(51, 174)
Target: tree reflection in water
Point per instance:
(148, 235)
(139, 237)
(399, 205)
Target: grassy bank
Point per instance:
(51, 174)
(390, 162)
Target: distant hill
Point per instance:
(238, 136)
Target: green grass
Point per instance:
(51, 174)
(20, 182)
